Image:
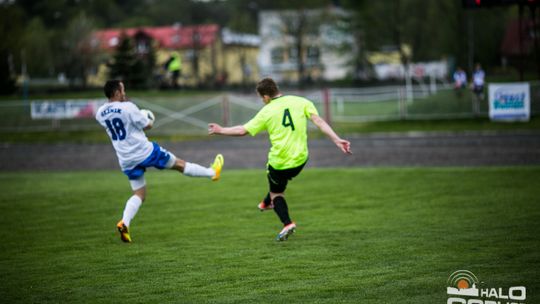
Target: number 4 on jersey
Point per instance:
(287, 119)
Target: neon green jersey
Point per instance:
(285, 119)
(175, 64)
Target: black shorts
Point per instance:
(478, 89)
(278, 179)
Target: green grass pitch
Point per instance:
(385, 235)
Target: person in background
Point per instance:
(174, 67)
(478, 87)
(460, 81)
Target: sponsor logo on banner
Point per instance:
(65, 109)
(509, 101)
(463, 288)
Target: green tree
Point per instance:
(123, 59)
(56, 14)
(150, 65)
(38, 54)
(78, 52)
(433, 29)
(11, 28)
(142, 72)
(135, 69)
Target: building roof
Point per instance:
(169, 37)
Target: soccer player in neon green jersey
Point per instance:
(285, 119)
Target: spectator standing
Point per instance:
(478, 87)
(460, 81)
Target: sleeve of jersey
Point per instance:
(137, 118)
(256, 124)
(310, 109)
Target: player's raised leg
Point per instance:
(196, 170)
(266, 203)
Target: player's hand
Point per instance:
(214, 128)
(343, 145)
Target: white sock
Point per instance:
(132, 206)
(195, 170)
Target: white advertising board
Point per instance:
(509, 101)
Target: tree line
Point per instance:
(46, 38)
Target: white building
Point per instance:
(328, 46)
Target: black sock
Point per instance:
(281, 209)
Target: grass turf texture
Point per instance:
(364, 236)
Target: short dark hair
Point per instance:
(267, 86)
(111, 86)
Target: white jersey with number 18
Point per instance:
(124, 123)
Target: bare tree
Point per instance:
(298, 25)
(317, 28)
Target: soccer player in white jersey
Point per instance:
(125, 125)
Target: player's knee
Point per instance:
(179, 165)
(142, 197)
(141, 193)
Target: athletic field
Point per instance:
(385, 235)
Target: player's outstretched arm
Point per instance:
(214, 128)
(342, 144)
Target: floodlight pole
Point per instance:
(520, 35)
(408, 82)
(470, 34)
(326, 100)
(226, 110)
(535, 38)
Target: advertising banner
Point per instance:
(64, 109)
(509, 101)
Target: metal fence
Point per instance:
(425, 102)
(191, 114)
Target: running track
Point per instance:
(402, 150)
